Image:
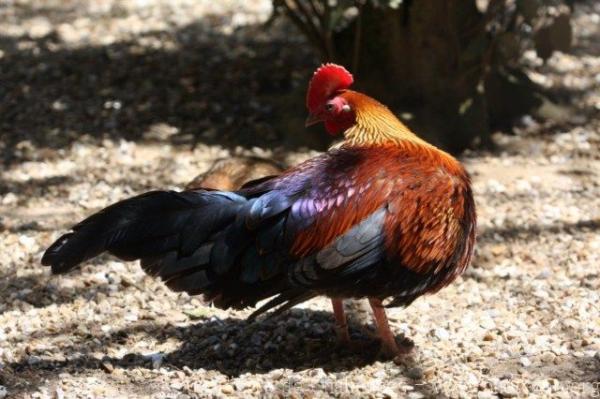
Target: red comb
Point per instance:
(328, 79)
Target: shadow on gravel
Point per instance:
(298, 340)
(33, 186)
(40, 291)
(193, 85)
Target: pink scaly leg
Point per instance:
(341, 326)
(389, 346)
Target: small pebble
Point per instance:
(107, 366)
(507, 389)
(416, 373)
(525, 362)
(389, 393)
(486, 395)
(227, 389)
(441, 333)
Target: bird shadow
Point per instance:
(299, 340)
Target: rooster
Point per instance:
(383, 215)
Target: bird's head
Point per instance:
(324, 99)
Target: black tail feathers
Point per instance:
(148, 226)
(199, 242)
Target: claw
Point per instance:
(390, 348)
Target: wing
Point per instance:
(312, 227)
(317, 227)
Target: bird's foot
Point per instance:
(400, 351)
(406, 345)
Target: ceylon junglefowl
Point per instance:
(229, 174)
(382, 215)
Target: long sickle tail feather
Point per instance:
(145, 227)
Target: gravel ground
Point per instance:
(103, 102)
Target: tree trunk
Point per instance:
(430, 60)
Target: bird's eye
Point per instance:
(329, 107)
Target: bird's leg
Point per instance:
(341, 326)
(389, 346)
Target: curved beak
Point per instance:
(312, 119)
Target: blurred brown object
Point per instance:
(554, 33)
(230, 174)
